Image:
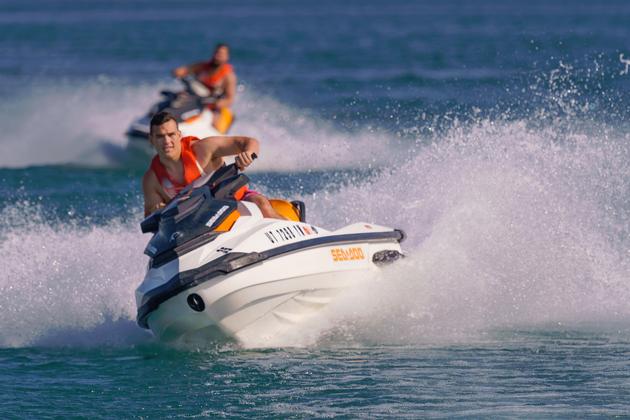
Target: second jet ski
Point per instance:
(191, 107)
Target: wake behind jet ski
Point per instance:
(219, 269)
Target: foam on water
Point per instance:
(511, 223)
(509, 227)
(85, 123)
(67, 285)
(68, 122)
(295, 140)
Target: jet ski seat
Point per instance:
(294, 210)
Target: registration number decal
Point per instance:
(289, 233)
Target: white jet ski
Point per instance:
(189, 107)
(219, 269)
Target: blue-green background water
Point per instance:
(495, 134)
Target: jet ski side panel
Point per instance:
(236, 261)
(274, 292)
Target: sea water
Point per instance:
(494, 134)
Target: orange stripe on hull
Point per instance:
(228, 222)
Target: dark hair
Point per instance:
(221, 45)
(160, 118)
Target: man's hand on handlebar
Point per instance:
(180, 72)
(244, 159)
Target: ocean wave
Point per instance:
(84, 123)
(64, 284)
(509, 227)
(511, 223)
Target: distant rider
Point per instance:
(218, 76)
(179, 161)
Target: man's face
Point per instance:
(221, 55)
(166, 139)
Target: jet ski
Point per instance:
(189, 107)
(219, 270)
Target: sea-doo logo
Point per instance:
(216, 216)
(349, 254)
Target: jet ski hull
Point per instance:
(219, 268)
(253, 302)
(263, 294)
(188, 107)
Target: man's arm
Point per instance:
(211, 149)
(153, 199)
(230, 92)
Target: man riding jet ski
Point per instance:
(181, 160)
(218, 268)
(222, 266)
(219, 80)
(202, 109)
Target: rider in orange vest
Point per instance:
(218, 76)
(179, 161)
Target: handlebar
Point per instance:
(225, 173)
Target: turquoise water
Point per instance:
(494, 134)
(550, 375)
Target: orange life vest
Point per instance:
(192, 168)
(192, 171)
(213, 80)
